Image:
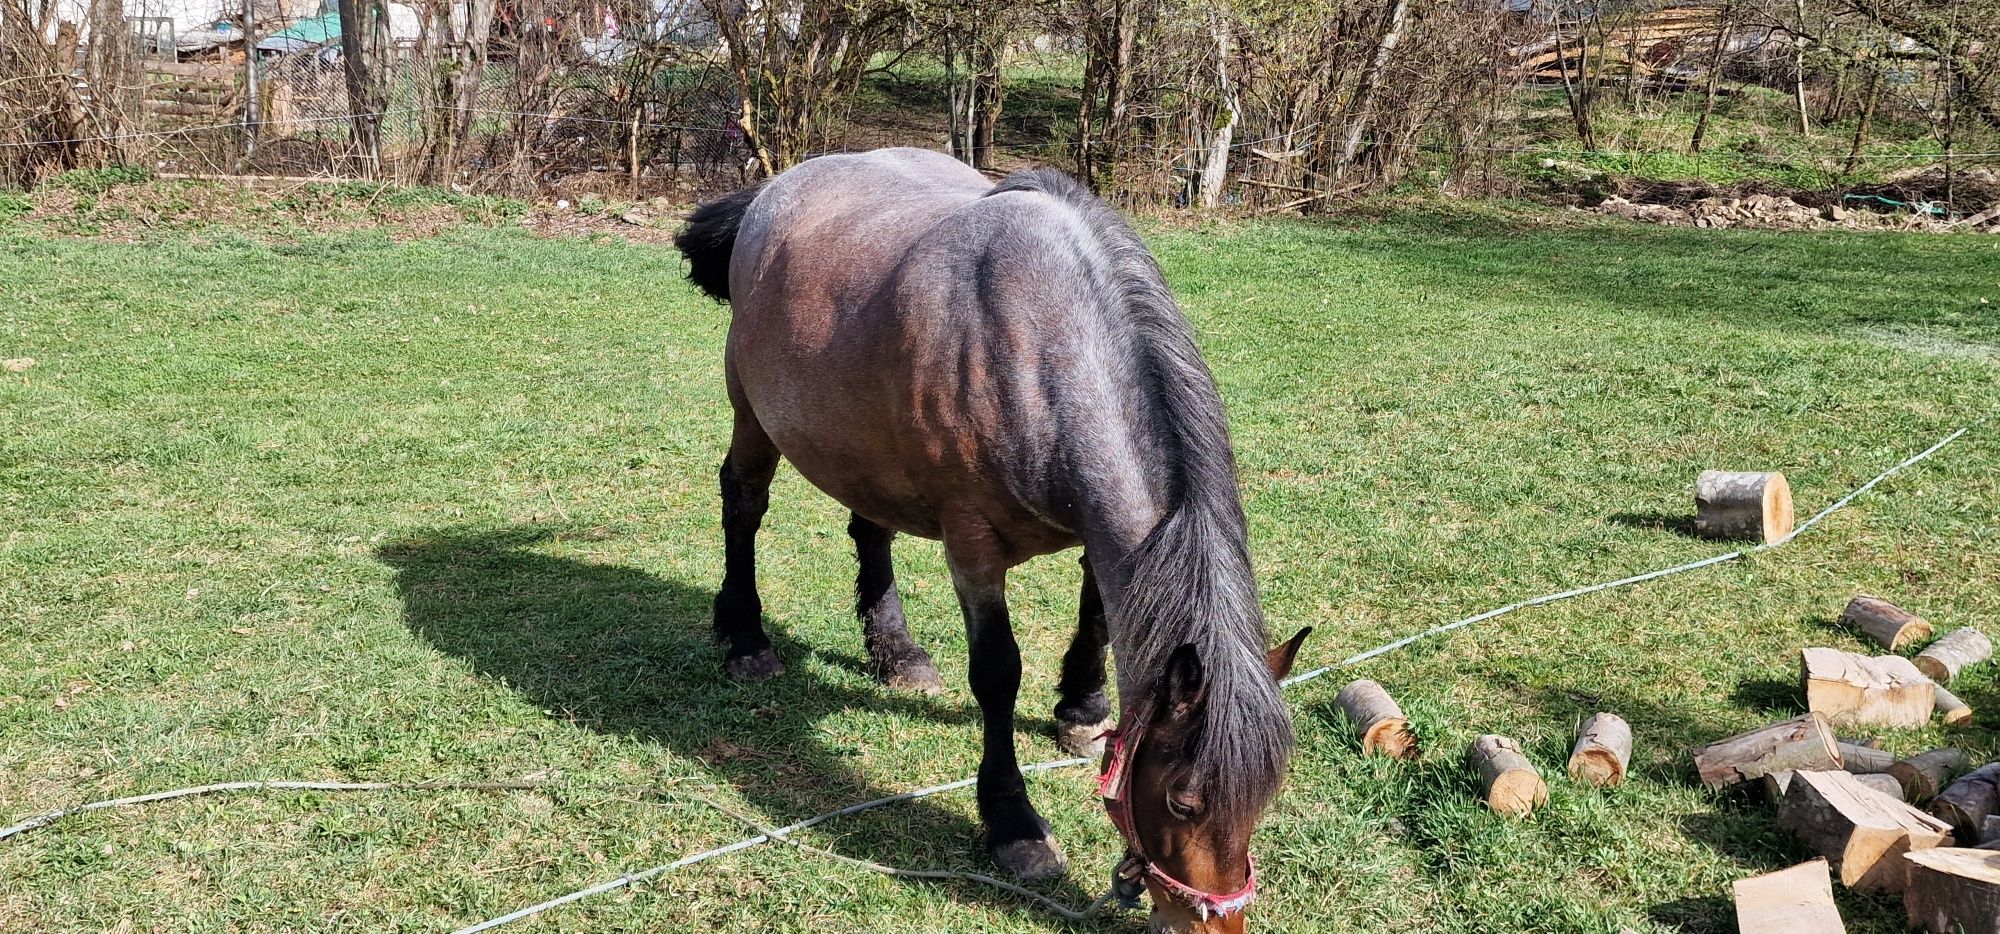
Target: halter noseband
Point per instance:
(1126, 880)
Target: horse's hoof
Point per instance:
(1032, 859)
(910, 670)
(759, 666)
(1083, 739)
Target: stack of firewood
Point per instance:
(1925, 826)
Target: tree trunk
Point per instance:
(989, 96)
(1359, 107)
(1799, 70)
(1714, 79)
(1867, 117)
(358, 49)
(1215, 171)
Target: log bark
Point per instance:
(1926, 773)
(1377, 720)
(1889, 624)
(1777, 784)
(1798, 900)
(1863, 833)
(1954, 891)
(1954, 711)
(1743, 505)
(1865, 760)
(1603, 751)
(1856, 690)
(1966, 803)
(1958, 650)
(1507, 780)
(1799, 743)
(1989, 831)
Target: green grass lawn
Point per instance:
(355, 509)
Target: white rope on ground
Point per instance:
(36, 823)
(1073, 914)
(748, 842)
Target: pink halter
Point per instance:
(1111, 787)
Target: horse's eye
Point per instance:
(1184, 806)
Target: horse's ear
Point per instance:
(1281, 658)
(1185, 684)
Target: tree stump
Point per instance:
(1860, 831)
(1742, 505)
(1865, 760)
(1798, 900)
(1851, 689)
(1375, 716)
(1958, 650)
(1507, 780)
(1799, 743)
(1954, 711)
(1603, 751)
(1966, 803)
(1926, 773)
(1954, 891)
(1886, 622)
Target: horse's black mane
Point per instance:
(1190, 579)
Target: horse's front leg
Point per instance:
(1016, 836)
(1083, 713)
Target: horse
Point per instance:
(1001, 367)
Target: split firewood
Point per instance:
(1776, 784)
(1798, 900)
(1804, 742)
(1886, 622)
(1966, 803)
(1864, 760)
(1507, 780)
(1859, 830)
(1742, 504)
(1958, 650)
(1954, 891)
(1376, 717)
(1882, 782)
(1603, 750)
(1926, 773)
(1954, 711)
(1851, 689)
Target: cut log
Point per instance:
(1886, 622)
(1799, 743)
(1989, 830)
(1862, 832)
(1375, 716)
(1507, 780)
(1882, 782)
(1865, 760)
(1857, 690)
(1603, 750)
(1954, 711)
(1926, 773)
(1742, 504)
(1954, 891)
(1958, 650)
(1966, 803)
(1798, 900)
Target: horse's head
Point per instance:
(1187, 826)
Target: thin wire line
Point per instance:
(36, 823)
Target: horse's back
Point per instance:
(896, 331)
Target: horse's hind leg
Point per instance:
(893, 657)
(1083, 713)
(739, 614)
(1016, 836)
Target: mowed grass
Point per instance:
(355, 509)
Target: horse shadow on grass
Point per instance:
(621, 651)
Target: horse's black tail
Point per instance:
(709, 237)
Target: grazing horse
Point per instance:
(1002, 368)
